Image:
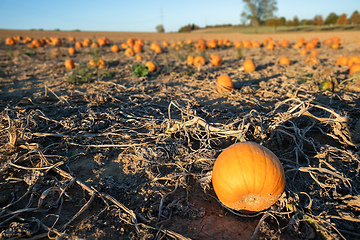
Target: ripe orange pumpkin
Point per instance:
(199, 61)
(314, 52)
(129, 52)
(115, 48)
(92, 63)
(78, 44)
(353, 59)
(224, 83)
(101, 63)
(138, 57)
(249, 65)
(247, 176)
(190, 60)
(215, 60)
(137, 48)
(354, 68)
(343, 60)
(284, 60)
(303, 51)
(69, 64)
(151, 66)
(10, 41)
(71, 50)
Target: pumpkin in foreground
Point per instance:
(247, 176)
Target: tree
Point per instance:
(331, 19)
(296, 21)
(282, 21)
(342, 19)
(273, 22)
(257, 11)
(318, 20)
(355, 18)
(160, 28)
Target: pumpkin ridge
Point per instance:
(243, 172)
(265, 173)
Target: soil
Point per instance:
(99, 153)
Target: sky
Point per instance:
(145, 15)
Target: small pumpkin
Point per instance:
(10, 41)
(284, 60)
(199, 61)
(353, 59)
(303, 51)
(343, 60)
(138, 57)
(137, 48)
(92, 63)
(249, 65)
(314, 52)
(101, 64)
(78, 44)
(354, 68)
(115, 48)
(151, 66)
(326, 85)
(71, 50)
(190, 60)
(248, 176)
(129, 52)
(224, 83)
(69, 64)
(215, 60)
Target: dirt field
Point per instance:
(127, 157)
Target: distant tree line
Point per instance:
(331, 19)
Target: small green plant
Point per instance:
(95, 53)
(140, 70)
(106, 74)
(81, 75)
(239, 52)
(304, 78)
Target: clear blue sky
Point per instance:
(145, 15)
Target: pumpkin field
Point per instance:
(109, 135)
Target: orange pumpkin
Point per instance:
(71, 50)
(137, 48)
(354, 68)
(343, 60)
(92, 63)
(101, 63)
(249, 65)
(247, 176)
(138, 57)
(115, 48)
(87, 42)
(353, 59)
(224, 83)
(10, 41)
(151, 66)
(129, 52)
(314, 52)
(69, 64)
(215, 60)
(190, 60)
(199, 61)
(78, 44)
(303, 51)
(284, 60)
